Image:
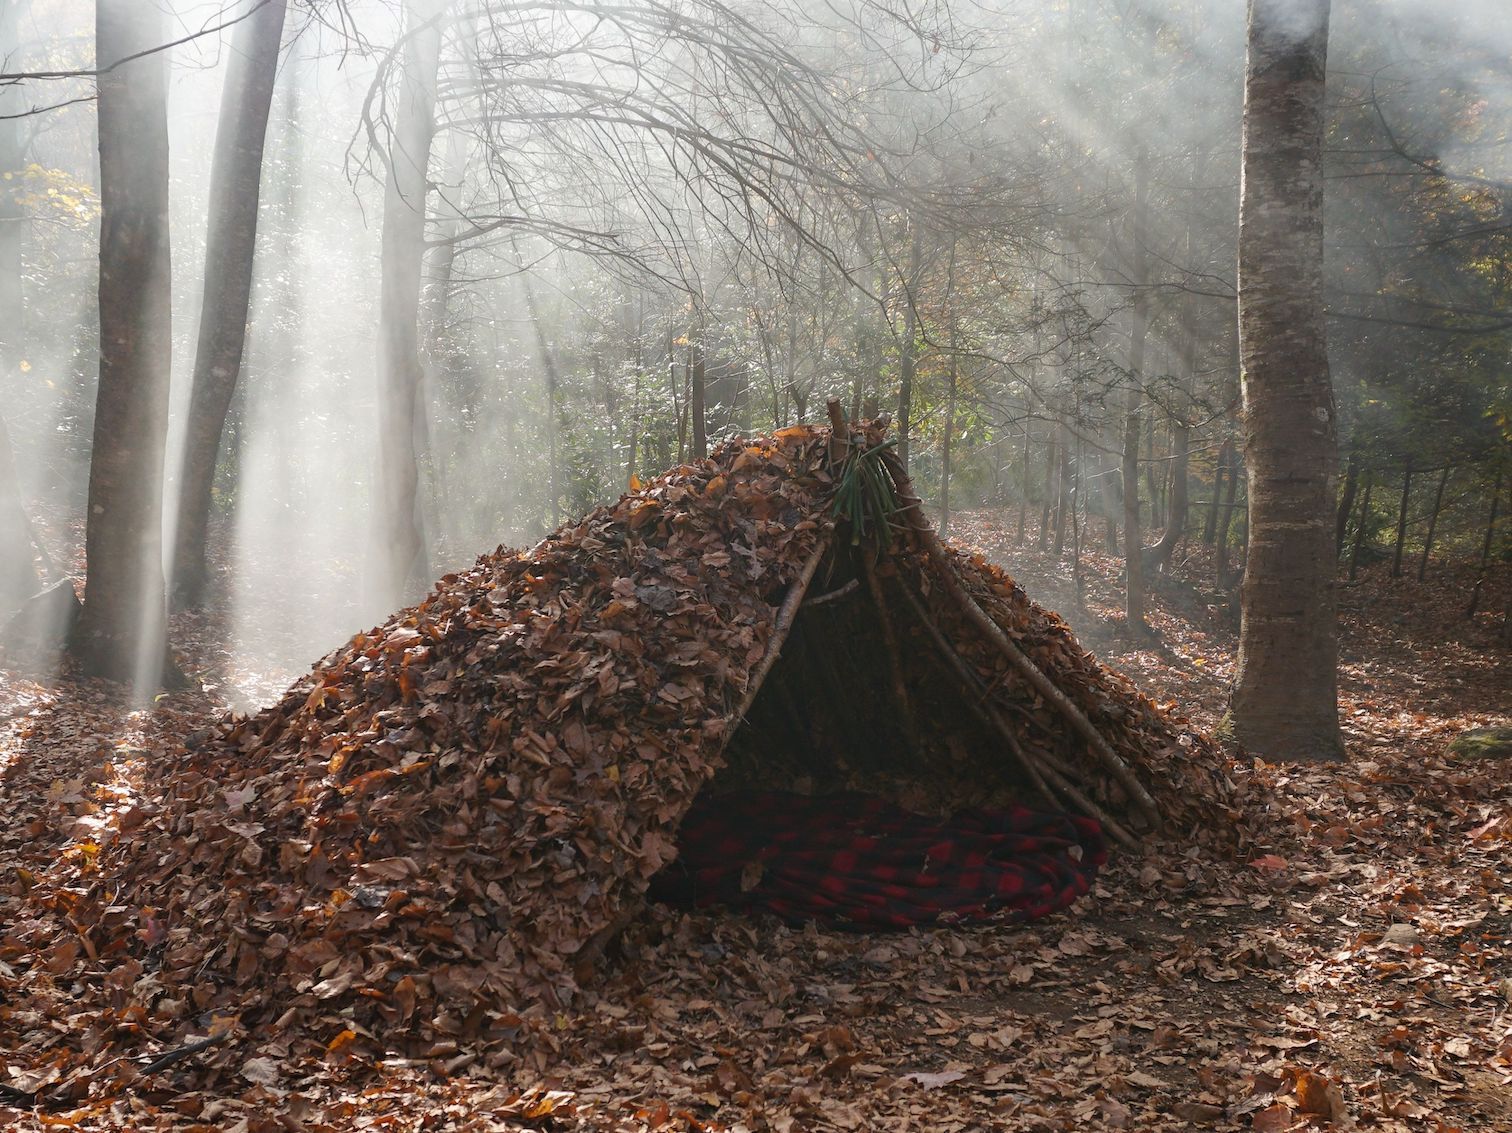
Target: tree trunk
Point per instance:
(698, 391)
(948, 440)
(235, 182)
(1139, 327)
(1210, 528)
(1401, 527)
(13, 220)
(1051, 488)
(1485, 556)
(18, 569)
(401, 557)
(1359, 535)
(1230, 460)
(1063, 486)
(1285, 699)
(1111, 490)
(1433, 517)
(1023, 514)
(1346, 503)
(637, 330)
(553, 395)
(1078, 512)
(18, 573)
(1159, 556)
(122, 633)
(908, 352)
(947, 444)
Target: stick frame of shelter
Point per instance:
(912, 509)
(780, 630)
(894, 656)
(978, 704)
(1040, 767)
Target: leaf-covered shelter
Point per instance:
(437, 830)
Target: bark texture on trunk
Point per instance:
(402, 558)
(1285, 697)
(122, 634)
(235, 185)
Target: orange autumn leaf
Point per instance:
(1317, 1095)
(339, 1045)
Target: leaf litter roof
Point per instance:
(428, 840)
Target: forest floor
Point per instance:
(1354, 971)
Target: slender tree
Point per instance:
(1134, 596)
(18, 572)
(1285, 696)
(402, 556)
(235, 181)
(12, 215)
(122, 634)
(908, 347)
(18, 576)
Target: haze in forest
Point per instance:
(946, 212)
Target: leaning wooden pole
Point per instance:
(912, 509)
(978, 704)
(1042, 772)
(784, 625)
(894, 653)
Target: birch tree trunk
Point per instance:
(1285, 697)
(235, 184)
(122, 634)
(402, 556)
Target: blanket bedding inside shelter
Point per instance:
(856, 861)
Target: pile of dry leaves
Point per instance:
(424, 847)
(365, 907)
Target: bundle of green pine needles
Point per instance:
(864, 495)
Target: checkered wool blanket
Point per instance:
(854, 861)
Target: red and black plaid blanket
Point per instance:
(854, 861)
